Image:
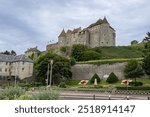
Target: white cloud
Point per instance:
(37, 22)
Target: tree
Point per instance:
(95, 76)
(147, 38)
(112, 78)
(133, 70)
(134, 42)
(77, 51)
(61, 69)
(13, 53)
(146, 64)
(146, 48)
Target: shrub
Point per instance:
(62, 85)
(24, 97)
(11, 93)
(95, 76)
(91, 55)
(72, 61)
(72, 82)
(136, 83)
(112, 78)
(47, 95)
(97, 49)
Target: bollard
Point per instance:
(127, 97)
(93, 97)
(109, 97)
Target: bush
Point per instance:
(72, 61)
(24, 97)
(90, 55)
(136, 83)
(11, 93)
(62, 85)
(47, 95)
(95, 76)
(112, 78)
(72, 82)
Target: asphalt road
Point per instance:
(73, 95)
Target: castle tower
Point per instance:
(62, 38)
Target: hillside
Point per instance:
(122, 52)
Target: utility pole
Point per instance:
(51, 63)
(47, 74)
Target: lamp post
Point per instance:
(50, 81)
(47, 75)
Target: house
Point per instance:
(12, 67)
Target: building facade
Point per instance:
(97, 34)
(11, 67)
(32, 52)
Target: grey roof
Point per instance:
(10, 58)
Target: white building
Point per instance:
(15, 66)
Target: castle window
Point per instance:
(22, 69)
(102, 42)
(6, 70)
(107, 42)
(6, 63)
(0, 69)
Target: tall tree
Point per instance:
(13, 53)
(61, 68)
(147, 38)
(146, 64)
(78, 51)
(146, 60)
(133, 70)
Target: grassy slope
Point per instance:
(122, 52)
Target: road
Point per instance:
(73, 95)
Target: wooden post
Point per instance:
(93, 97)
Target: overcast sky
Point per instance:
(29, 23)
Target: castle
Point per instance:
(97, 34)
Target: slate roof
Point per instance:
(10, 58)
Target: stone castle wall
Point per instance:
(86, 71)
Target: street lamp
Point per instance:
(50, 81)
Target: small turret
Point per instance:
(62, 34)
(105, 20)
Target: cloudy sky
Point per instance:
(30, 23)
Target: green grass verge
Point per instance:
(109, 61)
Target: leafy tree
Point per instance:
(95, 76)
(112, 78)
(60, 69)
(6, 52)
(146, 63)
(147, 38)
(90, 55)
(133, 70)
(13, 53)
(78, 50)
(146, 48)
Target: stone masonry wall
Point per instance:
(86, 71)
